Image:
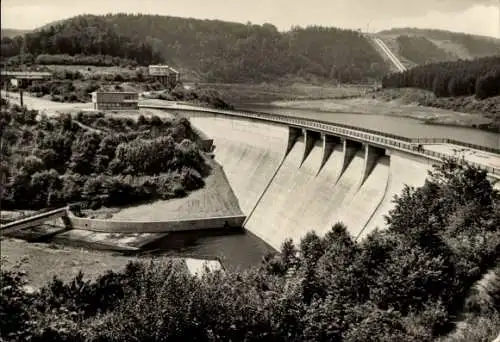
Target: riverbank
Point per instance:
(42, 261)
(486, 112)
(363, 99)
(396, 107)
(237, 94)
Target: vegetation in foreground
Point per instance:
(97, 160)
(432, 267)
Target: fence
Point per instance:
(365, 134)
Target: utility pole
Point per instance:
(498, 18)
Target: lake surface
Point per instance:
(407, 127)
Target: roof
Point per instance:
(164, 66)
(116, 92)
(26, 74)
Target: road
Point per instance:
(55, 108)
(45, 106)
(470, 155)
(397, 63)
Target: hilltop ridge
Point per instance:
(416, 46)
(223, 51)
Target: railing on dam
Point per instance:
(364, 134)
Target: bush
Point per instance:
(58, 162)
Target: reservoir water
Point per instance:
(407, 127)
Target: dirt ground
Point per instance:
(216, 198)
(42, 261)
(397, 107)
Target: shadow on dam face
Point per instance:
(290, 181)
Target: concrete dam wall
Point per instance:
(290, 181)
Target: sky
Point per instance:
(471, 16)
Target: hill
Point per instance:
(85, 36)
(480, 77)
(11, 33)
(220, 51)
(420, 46)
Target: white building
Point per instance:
(165, 74)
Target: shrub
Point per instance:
(56, 161)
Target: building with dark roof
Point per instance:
(109, 100)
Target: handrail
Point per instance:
(5, 228)
(380, 138)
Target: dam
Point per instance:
(290, 175)
(290, 179)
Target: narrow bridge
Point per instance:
(33, 221)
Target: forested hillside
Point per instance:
(216, 50)
(480, 77)
(421, 50)
(474, 45)
(87, 36)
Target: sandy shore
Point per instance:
(390, 108)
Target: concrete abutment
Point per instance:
(294, 134)
(328, 143)
(372, 156)
(310, 139)
(350, 149)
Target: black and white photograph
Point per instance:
(267, 170)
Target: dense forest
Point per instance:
(430, 276)
(421, 50)
(479, 77)
(216, 50)
(476, 46)
(94, 160)
(80, 36)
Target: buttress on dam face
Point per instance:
(290, 181)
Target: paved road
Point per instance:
(470, 155)
(45, 106)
